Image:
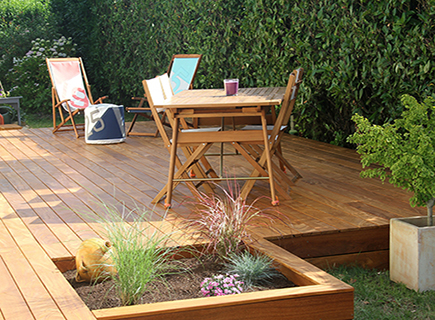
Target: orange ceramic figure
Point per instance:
(93, 261)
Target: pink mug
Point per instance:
(231, 86)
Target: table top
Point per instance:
(213, 98)
(9, 99)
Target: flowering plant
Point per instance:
(221, 285)
(3, 92)
(29, 77)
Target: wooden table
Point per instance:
(213, 103)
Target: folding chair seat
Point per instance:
(181, 71)
(70, 91)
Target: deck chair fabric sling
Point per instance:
(181, 72)
(275, 134)
(70, 91)
(157, 89)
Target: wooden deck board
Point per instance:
(12, 303)
(51, 184)
(43, 288)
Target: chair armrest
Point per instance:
(141, 101)
(137, 109)
(58, 104)
(100, 100)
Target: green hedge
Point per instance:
(359, 56)
(21, 21)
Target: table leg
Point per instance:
(268, 158)
(182, 171)
(172, 163)
(18, 112)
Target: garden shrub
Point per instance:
(21, 21)
(29, 76)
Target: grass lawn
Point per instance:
(46, 120)
(376, 297)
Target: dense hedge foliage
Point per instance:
(359, 56)
(21, 21)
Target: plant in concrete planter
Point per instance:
(404, 149)
(3, 92)
(405, 153)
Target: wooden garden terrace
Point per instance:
(48, 179)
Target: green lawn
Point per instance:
(376, 297)
(46, 120)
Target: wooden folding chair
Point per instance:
(159, 89)
(181, 71)
(275, 132)
(70, 91)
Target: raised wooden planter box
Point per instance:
(318, 296)
(330, 249)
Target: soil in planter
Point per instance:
(177, 287)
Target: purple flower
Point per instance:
(221, 285)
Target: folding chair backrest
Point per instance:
(154, 92)
(289, 100)
(182, 71)
(166, 85)
(67, 76)
(299, 74)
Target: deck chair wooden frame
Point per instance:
(259, 155)
(173, 69)
(71, 92)
(157, 89)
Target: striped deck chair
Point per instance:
(71, 92)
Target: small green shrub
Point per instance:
(253, 270)
(403, 150)
(29, 76)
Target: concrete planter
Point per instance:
(6, 114)
(412, 253)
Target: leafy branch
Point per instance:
(404, 150)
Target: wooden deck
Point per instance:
(49, 181)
